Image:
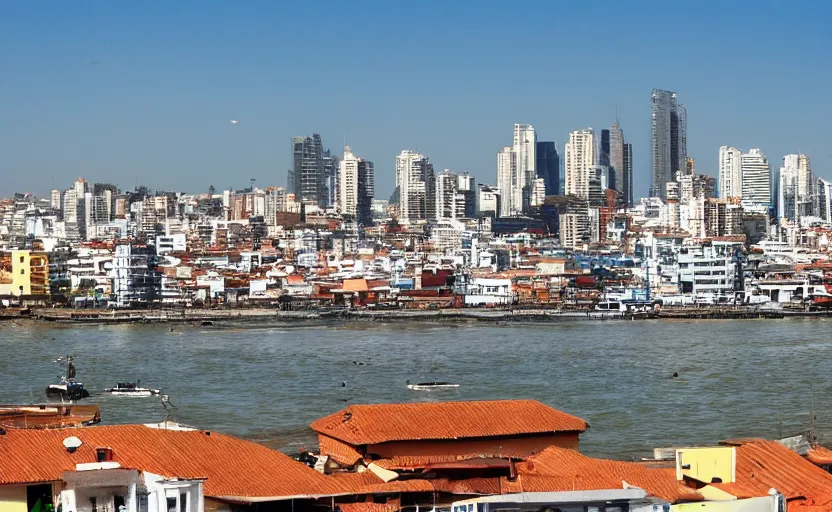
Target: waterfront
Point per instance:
(736, 378)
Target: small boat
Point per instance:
(131, 389)
(68, 388)
(44, 416)
(430, 386)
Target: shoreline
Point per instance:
(207, 318)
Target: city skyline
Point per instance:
(115, 105)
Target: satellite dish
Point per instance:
(72, 443)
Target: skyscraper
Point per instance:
(756, 178)
(348, 183)
(603, 154)
(627, 186)
(506, 178)
(730, 172)
(668, 140)
(415, 182)
(579, 160)
(330, 179)
(548, 167)
(308, 169)
(616, 161)
(796, 188)
(824, 200)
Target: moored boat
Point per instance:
(131, 389)
(431, 386)
(68, 388)
(48, 415)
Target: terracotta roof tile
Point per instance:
(232, 467)
(763, 465)
(819, 455)
(367, 507)
(561, 469)
(379, 423)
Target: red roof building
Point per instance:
(408, 436)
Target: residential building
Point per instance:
(616, 159)
(330, 179)
(756, 178)
(308, 170)
(730, 173)
(824, 200)
(135, 277)
(627, 186)
(525, 147)
(574, 229)
(506, 179)
(547, 167)
(488, 200)
(56, 199)
(579, 160)
(24, 273)
(668, 140)
(796, 191)
(415, 182)
(602, 155)
(392, 433)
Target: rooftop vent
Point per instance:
(72, 443)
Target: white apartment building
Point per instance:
(348, 183)
(414, 179)
(708, 270)
(730, 172)
(516, 170)
(574, 229)
(579, 160)
(756, 177)
(506, 176)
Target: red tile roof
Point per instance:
(367, 507)
(233, 468)
(763, 465)
(819, 455)
(561, 469)
(379, 423)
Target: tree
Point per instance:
(211, 190)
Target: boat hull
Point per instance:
(68, 391)
(134, 392)
(428, 387)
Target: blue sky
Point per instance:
(128, 92)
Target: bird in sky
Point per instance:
(235, 121)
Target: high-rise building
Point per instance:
(603, 154)
(824, 200)
(455, 195)
(330, 187)
(356, 187)
(506, 178)
(730, 173)
(516, 170)
(616, 160)
(308, 169)
(525, 146)
(415, 182)
(756, 178)
(466, 187)
(548, 167)
(796, 192)
(56, 199)
(579, 161)
(627, 186)
(668, 140)
(488, 200)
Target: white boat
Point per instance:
(430, 386)
(131, 389)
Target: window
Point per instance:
(183, 502)
(171, 501)
(22, 259)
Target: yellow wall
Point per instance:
(19, 279)
(13, 498)
(706, 464)
(763, 504)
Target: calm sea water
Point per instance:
(736, 378)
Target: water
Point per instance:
(736, 378)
